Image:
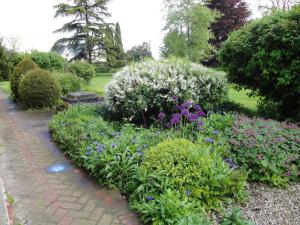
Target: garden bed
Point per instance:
(146, 165)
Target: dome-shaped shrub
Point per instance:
(83, 70)
(39, 89)
(195, 169)
(148, 87)
(68, 82)
(21, 69)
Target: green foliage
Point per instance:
(194, 169)
(115, 56)
(115, 154)
(235, 218)
(83, 70)
(21, 69)
(170, 208)
(139, 52)
(87, 29)
(188, 36)
(4, 62)
(268, 149)
(39, 89)
(48, 60)
(68, 82)
(140, 91)
(264, 56)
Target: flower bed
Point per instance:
(146, 164)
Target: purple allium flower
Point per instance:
(232, 165)
(210, 140)
(188, 193)
(197, 108)
(201, 113)
(186, 104)
(149, 198)
(193, 117)
(185, 112)
(161, 116)
(175, 118)
(174, 98)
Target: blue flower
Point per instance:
(113, 145)
(232, 165)
(145, 146)
(215, 132)
(188, 193)
(210, 140)
(149, 198)
(100, 148)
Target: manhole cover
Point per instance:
(58, 168)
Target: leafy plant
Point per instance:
(83, 70)
(48, 60)
(268, 149)
(142, 90)
(39, 89)
(68, 82)
(235, 218)
(21, 69)
(264, 57)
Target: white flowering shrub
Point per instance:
(141, 90)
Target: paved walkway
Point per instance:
(70, 198)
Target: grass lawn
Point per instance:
(242, 98)
(5, 86)
(98, 83)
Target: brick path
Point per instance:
(70, 198)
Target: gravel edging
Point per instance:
(273, 206)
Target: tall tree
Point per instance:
(233, 15)
(120, 55)
(109, 46)
(188, 30)
(87, 27)
(139, 52)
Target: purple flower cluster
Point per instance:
(186, 112)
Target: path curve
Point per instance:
(70, 198)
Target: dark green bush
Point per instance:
(68, 82)
(39, 89)
(48, 60)
(21, 69)
(268, 149)
(265, 57)
(83, 70)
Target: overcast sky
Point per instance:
(31, 22)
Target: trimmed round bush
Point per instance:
(48, 60)
(265, 57)
(68, 82)
(39, 89)
(83, 70)
(143, 89)
(195, 170)
(24, 66)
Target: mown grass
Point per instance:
(98, 83)
(5, 86)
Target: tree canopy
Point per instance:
(87, 27)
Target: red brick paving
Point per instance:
(41, 198)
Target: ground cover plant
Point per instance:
(122, 156)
